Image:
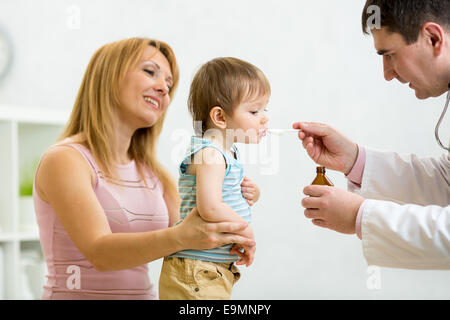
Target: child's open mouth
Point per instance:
(262, 132)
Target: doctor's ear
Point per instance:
(218, 117)
(434, 35)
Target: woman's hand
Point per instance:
(250, 191)
(247, 255)
(327, 147)
(332, 208)
(195, 233)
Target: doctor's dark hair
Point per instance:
(226, 83)
(407, 17)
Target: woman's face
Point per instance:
(144, 93)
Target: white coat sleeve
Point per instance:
(405, 236)
(405, 178)
(406, 222)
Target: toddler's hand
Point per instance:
(247, 256)
(250, 191)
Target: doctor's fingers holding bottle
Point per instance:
(327, 147)
(332, 208)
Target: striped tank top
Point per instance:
(231, 195)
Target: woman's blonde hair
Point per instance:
(98, 96)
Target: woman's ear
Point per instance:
(217, 117)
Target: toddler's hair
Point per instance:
(224, 82)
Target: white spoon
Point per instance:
(280, 132)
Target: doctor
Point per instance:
(398, 205)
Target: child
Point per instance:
(227, 102)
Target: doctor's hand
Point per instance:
(327, 147)
(332, 208)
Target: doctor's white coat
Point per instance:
(406, 217)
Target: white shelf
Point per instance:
(25, 133)
(9, 237)
(28, 236)
(6, 237)
(34, 114)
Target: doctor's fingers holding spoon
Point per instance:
(326, 146)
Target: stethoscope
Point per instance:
(436, 130)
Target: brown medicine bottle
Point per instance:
(321, 178)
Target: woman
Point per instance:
(103, 201)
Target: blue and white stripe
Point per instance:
(231, 195)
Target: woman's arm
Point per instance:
(65, 181)
(173, 206)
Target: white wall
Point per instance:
(321, 68)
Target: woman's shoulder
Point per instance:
(61, 153)
(61, 161)
(65, 150)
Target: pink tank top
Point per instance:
(129, 207)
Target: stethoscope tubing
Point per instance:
(436, 130)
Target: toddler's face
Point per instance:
(249, 120)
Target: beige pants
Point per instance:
(192, 279)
